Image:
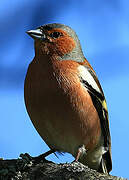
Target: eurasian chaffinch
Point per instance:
(64, 98)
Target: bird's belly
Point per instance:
(56, 123)
(64, 121)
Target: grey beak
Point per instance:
(36, 34)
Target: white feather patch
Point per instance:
(86, 75)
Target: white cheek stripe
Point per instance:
(85, 74)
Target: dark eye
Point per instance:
(55, 34)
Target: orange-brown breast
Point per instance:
(60, 107)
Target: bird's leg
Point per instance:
(81, 151)
(40, 157)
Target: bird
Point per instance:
(64, 98)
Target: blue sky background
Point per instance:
(103, 29)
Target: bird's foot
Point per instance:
(81, 151)
(37, 159)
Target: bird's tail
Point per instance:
(103, 167)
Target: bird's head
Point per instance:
(57, 40)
